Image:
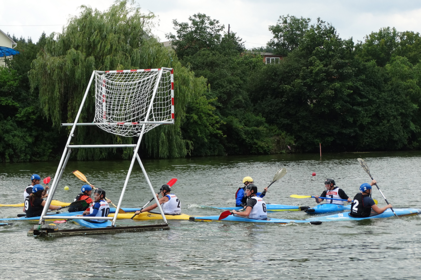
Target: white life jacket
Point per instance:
(172, 206)
(259, 210)
(334, 194)
(103, 211)
(25, 193)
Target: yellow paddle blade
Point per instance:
(80, 176)
(300, 196)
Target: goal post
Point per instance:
(128, 103)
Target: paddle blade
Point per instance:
(172, 182)
(224, 215)
(47, 180)
(281, 173)
(80, 176)
(364, 165)
(300, 196)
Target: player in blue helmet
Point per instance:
(35, 179)
(34, 204)
(363, 205)
(82, 200)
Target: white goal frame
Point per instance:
(138, 128)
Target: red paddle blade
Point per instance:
(172, 182)
(47, 180)
(224, 214)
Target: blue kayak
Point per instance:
(88, 224)
(232, 218)
(328, 208)
(269, 208)
(386, 214)
(54, 216)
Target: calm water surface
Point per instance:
(379, 249)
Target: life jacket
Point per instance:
(172, 206)
(334, 194)
(33, 210)
(103, 210)
(358, 209)
(259, 211)
(243, 199)
(81, 203)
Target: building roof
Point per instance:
(7, 36)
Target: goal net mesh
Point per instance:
(127, 99)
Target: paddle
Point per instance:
(281, 173)
(82, 177)
(46, 181)
(170, 183)
(311, 196)
(365, 167)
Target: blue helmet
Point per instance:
(35, 177)
(86, 188)
(37, 188)
(365, 186)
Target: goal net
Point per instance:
(127, 99)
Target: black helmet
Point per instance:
(165, 188)
(252, 187)
(329, 181)
(100, 192)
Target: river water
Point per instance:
(376, 249)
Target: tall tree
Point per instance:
(116, 39)
(287, 34)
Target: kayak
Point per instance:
(112, 210)
(327, 208)
(52, 218)
(88, 224)
(57, 215)
(386, 214)
(53, 202)
(151, 216)
(269, 208)
(233, 218)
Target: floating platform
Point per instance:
(53, 231)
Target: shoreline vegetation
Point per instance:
(349, 96)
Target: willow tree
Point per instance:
(119, 38)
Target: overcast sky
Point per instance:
(249, 19)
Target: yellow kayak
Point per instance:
(150, 216)
(53, 202)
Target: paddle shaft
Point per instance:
(143, 207)
(365, 167)
(385, 199)
(170, 183)
(331, 198)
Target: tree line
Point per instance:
(346, 95)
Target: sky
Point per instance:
(249, 19)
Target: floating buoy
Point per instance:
(313, 174)
(66, 188)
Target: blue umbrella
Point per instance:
(5, 51)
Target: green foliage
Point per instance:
(117, 39)
(329, 91)
(288, 33)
